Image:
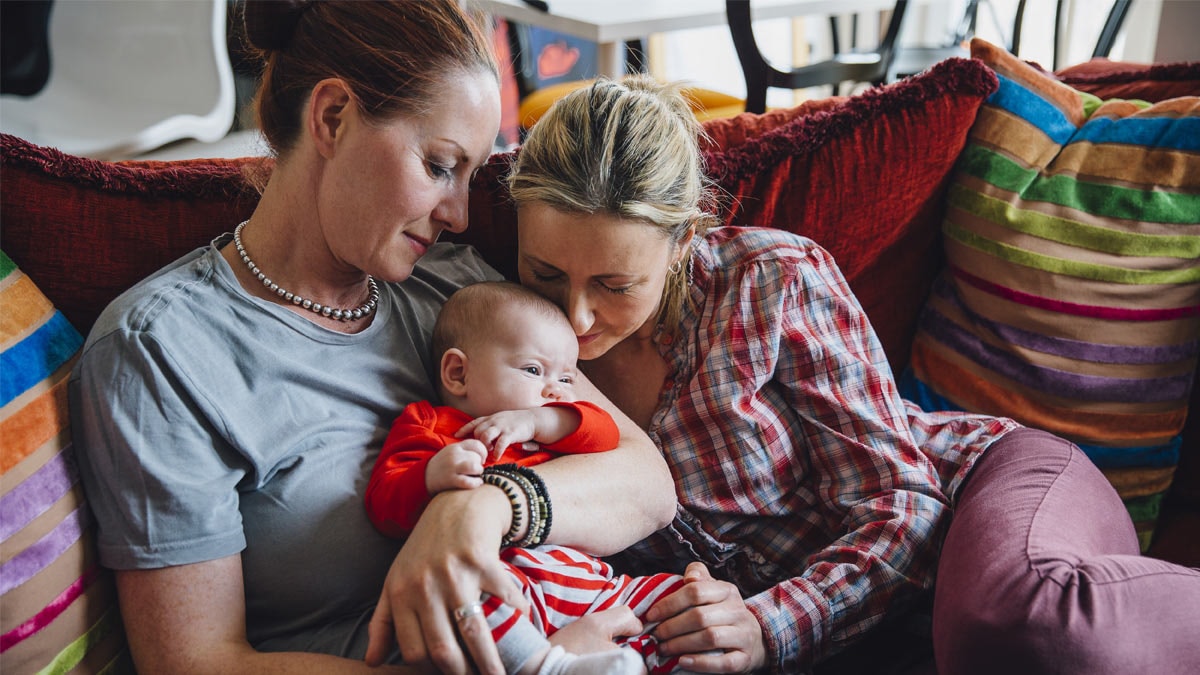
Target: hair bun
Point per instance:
(271, 23)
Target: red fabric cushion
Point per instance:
(728, 132)
(86, 230)
(1148, 82)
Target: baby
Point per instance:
(507, 366)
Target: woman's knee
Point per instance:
(1038, 502)
(1040, 571)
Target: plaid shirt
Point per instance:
(803, 477)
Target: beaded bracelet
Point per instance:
(537, 497)
(532, 532)
(541, 513)
(543, 500)
(505, 483)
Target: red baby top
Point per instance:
(396, 493)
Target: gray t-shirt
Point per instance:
(210, 423)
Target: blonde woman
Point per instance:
(813, 500)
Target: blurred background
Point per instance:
(169, 79)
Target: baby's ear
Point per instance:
(454, 372)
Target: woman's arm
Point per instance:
(606, 502)
(819, 381)
(879, 493)
(192, 619)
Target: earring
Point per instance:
(675, 268)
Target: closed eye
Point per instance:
(616, 290)
(545, 277)
(438, 171)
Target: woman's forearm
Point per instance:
(190, 619)
(607, 501)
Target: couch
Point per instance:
(874, 178)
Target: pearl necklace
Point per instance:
(355, 314)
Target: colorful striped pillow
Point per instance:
(1071, 296)
(58, 610)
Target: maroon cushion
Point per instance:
(85, 230)
(1148, 82)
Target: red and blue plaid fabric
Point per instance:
(803, 477)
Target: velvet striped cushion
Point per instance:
(58, 610)
(1071, 296)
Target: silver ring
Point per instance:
(467, 611)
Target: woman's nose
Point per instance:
(451, 212)
(579, 312)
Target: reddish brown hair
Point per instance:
(393, 55)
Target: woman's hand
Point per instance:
(450, 559)
(707, 623)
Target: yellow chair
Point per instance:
(706, 103)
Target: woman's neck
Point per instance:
(631, 375)
(292, 252)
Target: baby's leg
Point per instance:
(521, 644)
(524, 649)
(568, 584)
(640, 594)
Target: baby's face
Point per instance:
(524, 362)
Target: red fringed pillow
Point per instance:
(865, 178)
(86, 230)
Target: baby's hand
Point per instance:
(502, 429)
(457, 466)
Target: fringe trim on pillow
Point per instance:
(952, 77)
(199, 178)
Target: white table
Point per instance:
(609, 23)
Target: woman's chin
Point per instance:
(395, 275)
(396, 265)
(593, 347)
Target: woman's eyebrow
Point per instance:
(461, 155)
(538, 261)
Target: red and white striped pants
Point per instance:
(563, 584)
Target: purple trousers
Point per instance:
(1040, 573)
